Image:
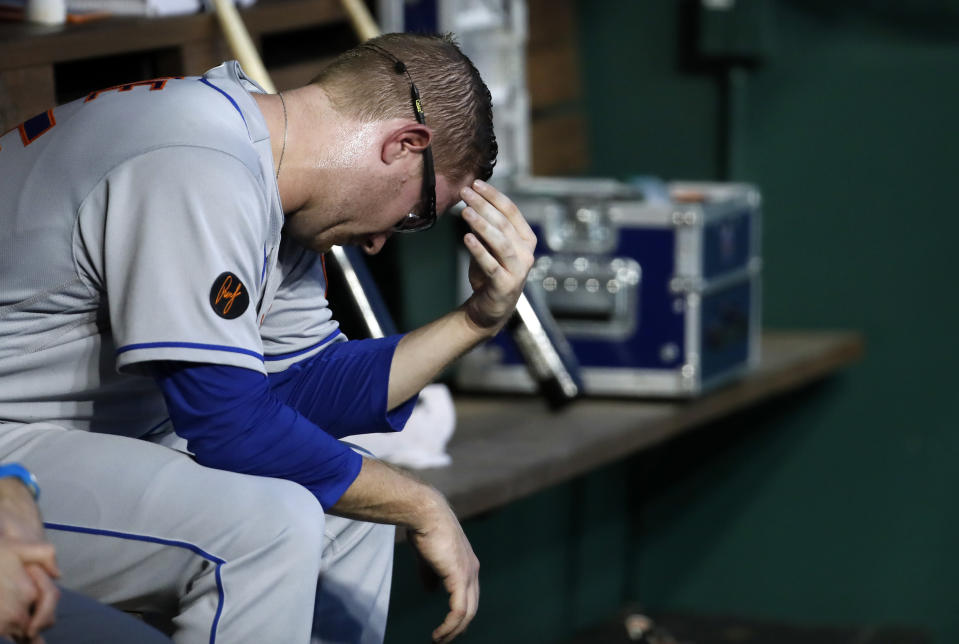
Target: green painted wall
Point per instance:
(842, 510)
(838, 504)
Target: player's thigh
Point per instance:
(113, 505)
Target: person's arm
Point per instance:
(501, 245)
(233, 421)
(383, 494)
(344, 387)
(28, 597)
(391, 371)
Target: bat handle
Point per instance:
(363, 23)
(548, 355)
(241, 44)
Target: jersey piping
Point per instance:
(187, 345)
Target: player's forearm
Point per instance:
(19, 516)
(501, 246)
(423, 353)
(13, 491)
(383, 494)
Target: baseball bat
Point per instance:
(363, 23)
(238, 38)
(548, 355)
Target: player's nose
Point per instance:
(374, 243)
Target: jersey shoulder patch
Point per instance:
(229, 296)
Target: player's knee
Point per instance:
(291, 521)
(298, 510)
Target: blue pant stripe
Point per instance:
(164, 542)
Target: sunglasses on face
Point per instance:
(415, 222)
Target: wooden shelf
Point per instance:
(508, 448)
(41, 66)
(27, 45)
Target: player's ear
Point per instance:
(411, 138)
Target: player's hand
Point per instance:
(45, 605)
(28, 597)
(28, 565)
(501, 245)
(440, 542)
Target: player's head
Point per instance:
(364, 83)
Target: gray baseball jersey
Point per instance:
(127, 245)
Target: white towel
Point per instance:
(422, 443)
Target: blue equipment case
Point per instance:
(658, 296)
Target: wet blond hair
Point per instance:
(364, 83)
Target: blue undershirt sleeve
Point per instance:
(344, 388)
(233, 421)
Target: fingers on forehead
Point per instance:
(490, 194)
(504, 205)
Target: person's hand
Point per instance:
(28, 598)
(386, 494)
(48, 595)
(501, 245)
(441, 544)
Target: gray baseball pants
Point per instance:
(230, 558)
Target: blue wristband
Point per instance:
(26, 477)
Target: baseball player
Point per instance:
(169, 369)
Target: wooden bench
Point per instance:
(506, 448)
